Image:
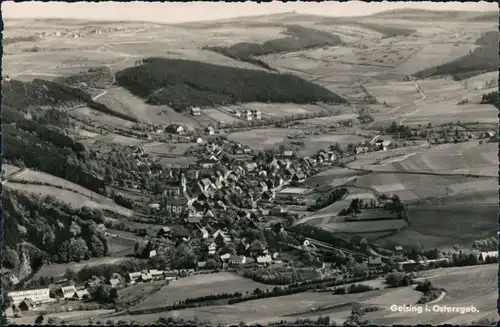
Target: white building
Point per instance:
(38, 295)
(68, 291)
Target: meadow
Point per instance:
(464, 286)
(121, 100)
(72, 194)
(198, 286)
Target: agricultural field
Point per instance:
(463, 158)
(100, 118)
(445, 225)
(338, 307)
(262, 138)
(464, 286)
(216, 116)
(59, 269)
(198, 286)
(76, 200)
(121, 100)
(158, 148)
(72, 194)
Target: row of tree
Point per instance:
(184, 83)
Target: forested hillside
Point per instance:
(490, 98)
(483, 59)
(37, 230)
(298, 38)
(66, 93)
(184, 83)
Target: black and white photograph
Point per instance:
(250, 164)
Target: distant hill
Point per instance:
(483, 59)
(184, 83)
(429, 15)
(298, 38)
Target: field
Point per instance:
(262, 138)
(464, 286)
(58, 270)
(218, 116)
(197, 286)
(445, 225)
(73, 194)
(464, 158)
(359, 227)
(120, 100)
(313, 140)
(157, 148)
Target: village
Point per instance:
(221, 208)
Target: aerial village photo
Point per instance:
(250, 164)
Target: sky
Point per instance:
(177, 12)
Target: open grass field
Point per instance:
(121, 100)
(334, 176)
(262, 138)
(139, 290)
(443, 226)
(197, 286)
(462, 158)
(76, 200)
(465, 286)
(59, 269)
(101, 118)
(159, 148)
(217, 116)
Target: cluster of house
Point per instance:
(218, 185)
(247, 114)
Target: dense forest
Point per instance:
(39, 230)
(185, 83)
(490, 98)
(482, 60)
(24, 96)
(36, 144)
(95, 77)
(298, 38)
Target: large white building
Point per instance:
(38, 295)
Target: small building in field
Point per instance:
(195, 111)
(27, 304)
(209, 130)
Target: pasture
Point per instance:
(100, 118)
(121, 100)
(59, 269)
(218, 116)
(465, 286)
(198, 286)
(72, 194)
(158, 148)
(462, 158)
(262, 138)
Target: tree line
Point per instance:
(182, 84)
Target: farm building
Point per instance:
(291, 191)
(81, 295)
(237, 259)
(27, 304)
(256, 114)
(209, 130)
(68, 291)
(382, 144)
(175, 129)
(38, 295)
(491, 254)
(195, 111)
